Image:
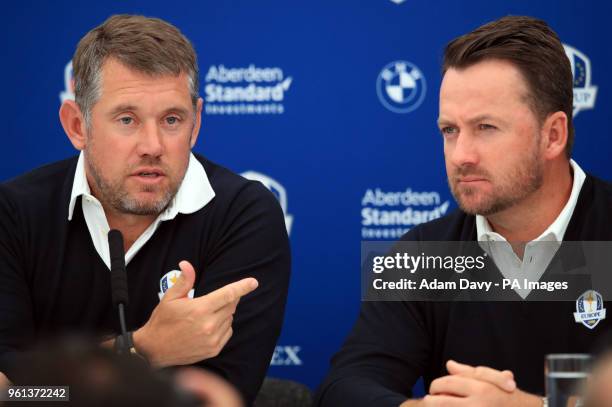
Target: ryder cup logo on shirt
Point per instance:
(401, 87)
(68, 92)
(168, 280)
(589, 309)
(250, 90)
(277, 189)
(584, 92)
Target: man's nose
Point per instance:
(150, 140)
(463, 151)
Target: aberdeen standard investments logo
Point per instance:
(277, 189)
(248, 90)
(401, 87)
(390, 214)
(584, 92)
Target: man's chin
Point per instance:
(473, 206)
(471, 210)
(144, 207)
(141, 210)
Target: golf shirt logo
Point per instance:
(168, 280)
(589, 309)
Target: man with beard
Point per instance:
(506, 121)
(135, 119)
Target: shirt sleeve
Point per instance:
(382, 358)
(16, 316)
(251, 242)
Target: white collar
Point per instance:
(193, 194)
(556, 230)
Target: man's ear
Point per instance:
(198, 121)
(73, 124)
(555, 133)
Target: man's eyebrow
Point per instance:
(442, 121)
(177, 109)
(482, 118)
(127, 107)
(122, 108)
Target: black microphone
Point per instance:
(119, 287)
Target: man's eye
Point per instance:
(484, 126)
(172, 120)
(448, 130)
(126, 120)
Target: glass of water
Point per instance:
(566, 375)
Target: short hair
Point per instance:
(532, 47)
(148, 45)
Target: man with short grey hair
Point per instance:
(207, 251)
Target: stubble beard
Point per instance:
(508, 190)
(115, 195)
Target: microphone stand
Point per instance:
(119, 289)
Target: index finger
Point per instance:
(502, 379)
(444, 400)
(229, 293)
(455, 385)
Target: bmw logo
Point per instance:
(401, 87)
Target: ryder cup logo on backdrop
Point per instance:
(245, 90)
(589, 309)
(584, 92)
(68, 93)
(401, 87)
(390, 214)
(277, 189)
